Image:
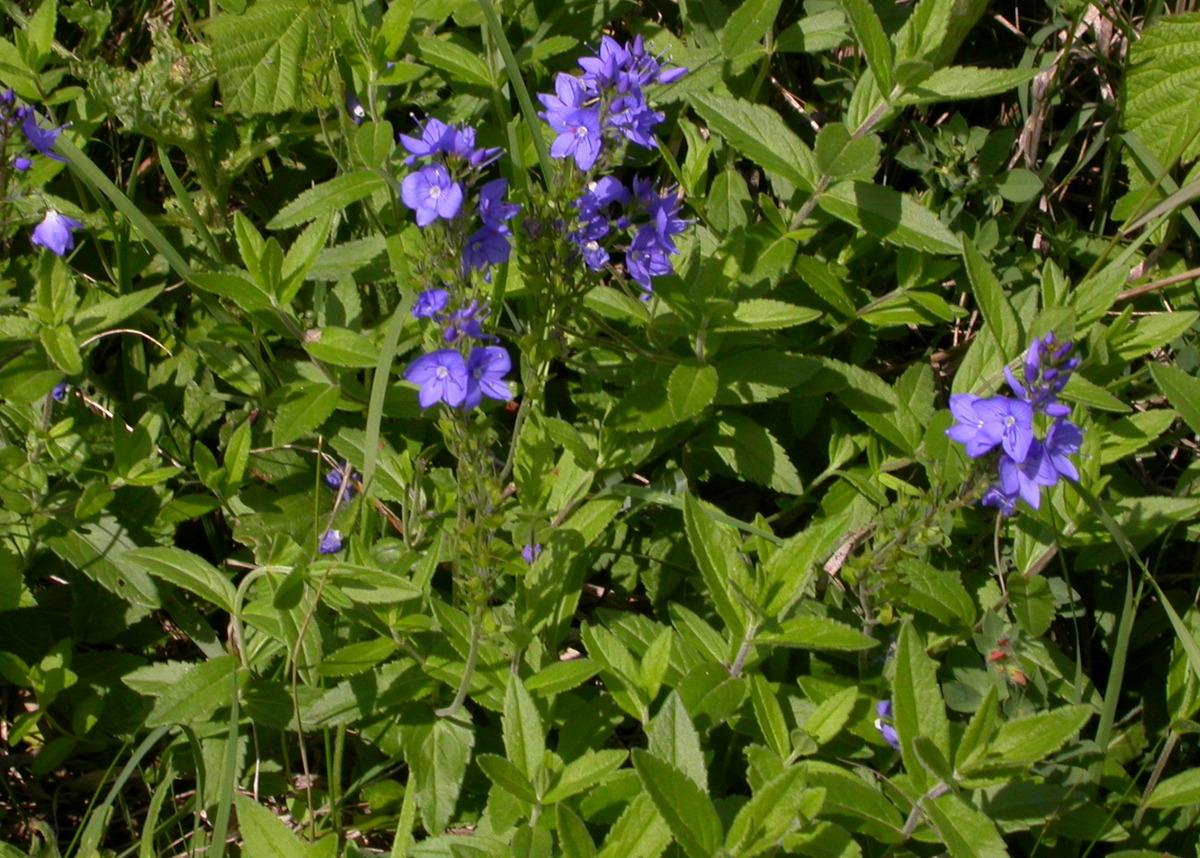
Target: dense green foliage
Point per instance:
(647, 592)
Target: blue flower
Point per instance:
(435, 137)
(984, 423)
(487, 246)
(442, 376)
(42, 139)
(1025, 478)
(646, 259)
(530, 553)
(884, 724)
(56, 233)
(1062, 438)
(59, 393)
(577, 125)
(486, 368)
(996, 497)
(431, 193)
(493, 210)
(430, 302)
(331, 542)
(338, 477)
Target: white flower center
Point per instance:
(434, 192)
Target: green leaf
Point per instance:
(507, 776)
(438, 755)
(186, 570)
(814, 33)
(524, 736)
(304, 408)
(192, 698)
(259, 55)
(918, 704)
(1127, 435)
(640, 832)
(1151, 332)
(242, 292)
(674, 739)
(1035, 737)
(759, 133)
(342, 347)
(753, 454)
(562, 676)
(768, 815)
(728, 205)
(651, 405)
(1032, 603)
(831, 715)
(1182, 790)
(868, 29)
(106, 313)
(331, 196)
(848, 795)
(59, 343)
(747, 25)
(1182, 391)
(264, 834)
(355, 658)
(1162, 90)
(997, 311)
(573, 836)
(769, 715)
(767, 314)
(967, 832)
(98, 549)
(720, 563)
(456, 61)
(583, 773)
(842, 156)
(962, 82)
(687, 809)
(816, 633)
(887, 214)
(41, 31)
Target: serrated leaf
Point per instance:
(1162, 90)
(997, 311)
(239, 290)
(890, 215)
(752, 452)
(258, 55)
(767, 314)
(841, 156)
(831, 715)
(342, 347)
(304, 408)
(106, 313)
(59, 343)
(1182, 391)
(456, 61)
(193, 698)
(768, 815)
(674, 739)
(640, 832)
(759, 133)
(747, 25)
(1182, 790)
(961, 82)
(728, 205)
(186, 570)
(264, 835)
(720, 563)
(967, 832)
(758, 375)
(507, 776)
(1035, 737)
(524, 736)
(582, 773)
(1127, 435)
(327, 197)
(690, 389)
(562, 676)
(918, 704)
(868, 29)
(817, 633)
(687, 809)
(439, 754)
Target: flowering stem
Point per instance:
(468, 670)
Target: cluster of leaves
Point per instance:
(652, 605)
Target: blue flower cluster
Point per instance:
(439, 189)
(1026, 462)
(607, 103)
(56, 231)
(445, 375)
(594, 116)
(608, 208)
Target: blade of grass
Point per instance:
(518, 83)
(91, 833)
(229, 776)
(86, 169)
(379, 386)
(185, 202)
